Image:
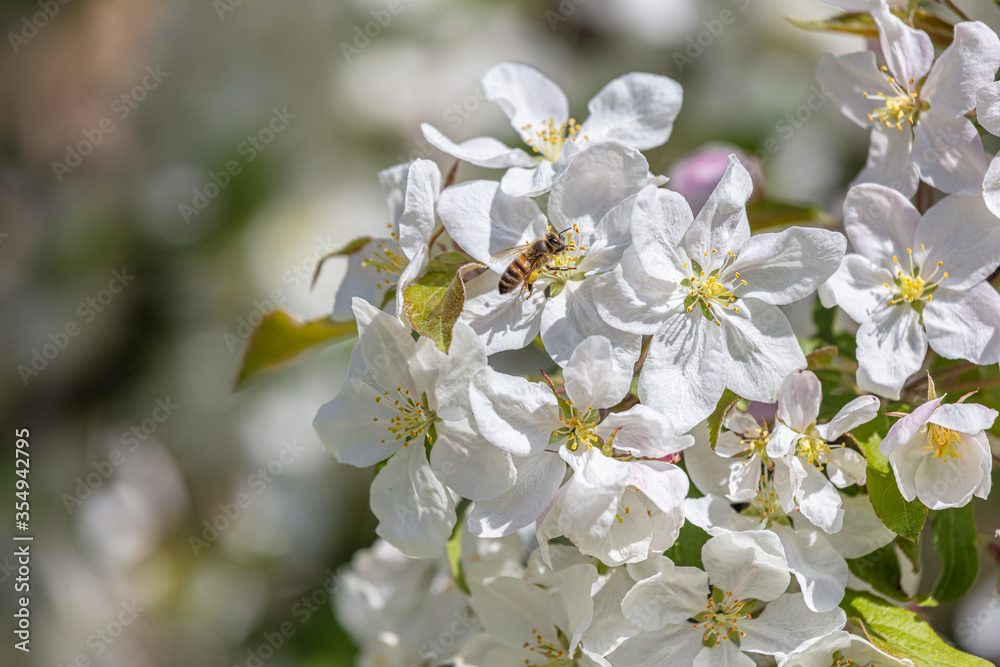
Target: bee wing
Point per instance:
(509, 253)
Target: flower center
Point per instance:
(756, 442)
(898, 108)
(913, 288)
(708, 288)
(578, 429)
(552, 655)
(816, 450)
(721, 617)
(414, 418)
(549, 140)
(386, 260)
(942, 442)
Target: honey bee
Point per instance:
(529, 260)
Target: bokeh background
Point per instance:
(137, 435)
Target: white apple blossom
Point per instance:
(840, 648)
(913, 281)
(636, 109)
(916, 105)
(529, 624)
(940, 453)
(397, 393)
(594, 203)
(709, 618)
(617, 462)
(708, 293)
(402, 611)
(381, 268)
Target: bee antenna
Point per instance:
(565, 230)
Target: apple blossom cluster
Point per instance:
(669, 472)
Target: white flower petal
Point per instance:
(515, 415)
(571, 317)
(762, 350)
(481, 151)
(599, 178)
(799, 399)
(819, 501)
(660, 219)
(610, 627)
(969, 251)
(949, 154)
(966, 325)
(502, 321)
(538, 479)
(991, 188)
(880, 222)
(969, 63)
(527, 96)
(725, 654)
(903, 431)
(536, 180)
(593, 379)
(750, 564)
(716, 516)
(416, 223)
(786, 623)
(846, 78)
(670, 597)
(858, 287)
(988, 107)
(484, 220)
(785, 267)
(467, 463)
(709, 471)
(891, 348)
(867, 532)
(722, 223)
(941, 484)
(631, 300)
(416, 512)
(964, 417)
(908, 52)
(819, 569)
(683, 376)
(859, 411)
(846, 467)
(409, 275)
(346, 427)
(889, 161)
(643, 432)
(674, 645)
(664, 484)
(637, 109)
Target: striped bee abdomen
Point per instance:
(515, 274)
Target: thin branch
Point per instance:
(951, 5)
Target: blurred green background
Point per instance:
(138, 440)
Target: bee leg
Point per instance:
(559, 268)
(530, 287)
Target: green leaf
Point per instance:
(280, 338)
(726, 403)
(881, 569)
(453, 548)
(765, 213)
(903, 634)
(686, 551)
(902, 517)
(911, 550)
(954, 532)
(940, 31)
(349, 249)
(433, 308)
